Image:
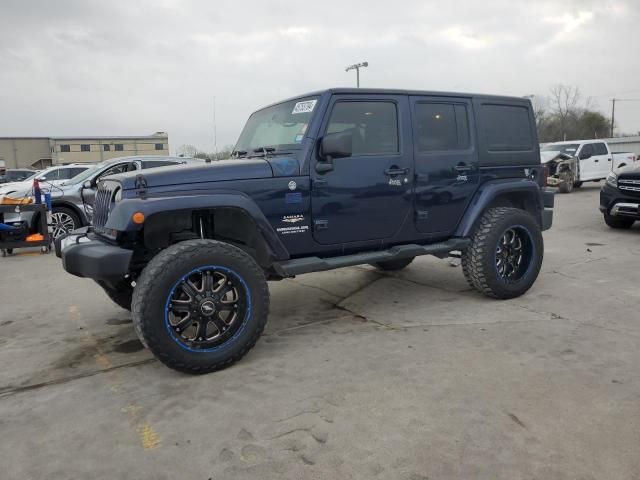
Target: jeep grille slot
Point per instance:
(102, 207)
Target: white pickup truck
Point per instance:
(569, 164)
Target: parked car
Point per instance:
(72, 200)
(15, 174)
(570, 164)
(620, 197)
(322, 181)
(48, 178)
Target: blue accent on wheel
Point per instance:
(207, 309)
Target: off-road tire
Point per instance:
(618, 223)
(120, 292)
(393, 265)
(153, 288)
(479, 258)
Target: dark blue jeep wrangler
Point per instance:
(326, 180)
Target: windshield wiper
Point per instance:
(238, 153)
(265, 151)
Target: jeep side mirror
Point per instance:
(87, 184)
(334, 145)
(337, 145)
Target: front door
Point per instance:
(446, 161)
(368, 195)
(587, 165)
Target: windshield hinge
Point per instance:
(141, 185)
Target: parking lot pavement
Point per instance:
(359, 375)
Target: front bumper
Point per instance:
(616, 204)
(85, 255)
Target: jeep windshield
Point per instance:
(279, 128)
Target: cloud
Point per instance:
(91, 67)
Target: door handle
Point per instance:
(463, 167)
(596, 160)
(396, 171)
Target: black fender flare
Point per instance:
(493, 189)
(120, 217)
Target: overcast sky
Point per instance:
(133, 67)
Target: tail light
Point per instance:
(545, 175)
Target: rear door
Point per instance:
(366, 196)
(601, 159)
(446, 161)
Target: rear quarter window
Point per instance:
(507, 128)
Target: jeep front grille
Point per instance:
(102, 206)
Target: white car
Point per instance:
(595, 159)
(49, 177)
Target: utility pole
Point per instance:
(357, 67)
(215, 132)
(613, 114)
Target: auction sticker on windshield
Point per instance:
(304, 107)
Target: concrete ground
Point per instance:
(360, 375)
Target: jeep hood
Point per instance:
(240, 169)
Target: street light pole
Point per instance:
(357, 67)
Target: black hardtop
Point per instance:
(395, 91)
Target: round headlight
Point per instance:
(118, 196)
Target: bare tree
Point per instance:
(187, 151)
(564, 100)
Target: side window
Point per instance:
(441, 126)
(53, 175)
(587, 150)
(67, 173)
(507, 128)
(600, 149)
(156, 163)
(373, 125)
(76, 171)
(64, 174)
(119, 168)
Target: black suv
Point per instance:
(620, 197)
(325, 180)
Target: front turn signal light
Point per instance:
(138, 218)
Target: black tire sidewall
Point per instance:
(162, 275)
(514, 289)
(479, 258)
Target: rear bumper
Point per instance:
(90, 257)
